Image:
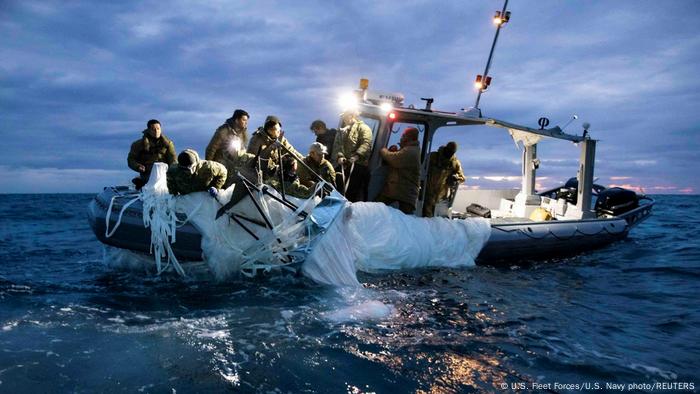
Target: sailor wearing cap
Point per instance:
(316, 162)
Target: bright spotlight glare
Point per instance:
(348, 101)
(234, 144)
(478, 85)
(386, 107)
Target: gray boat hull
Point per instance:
(510, 242)
(131, 233)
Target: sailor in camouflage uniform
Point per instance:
(191, 174)
(153, 147)
(318, 164)
(292, 185)
(444, 171)
(234, 127)
(266, 142)
(353, 144)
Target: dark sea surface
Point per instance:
(626, 314)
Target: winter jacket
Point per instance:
(324, 169)
(219, 144)
(206, 174)
(148, 150)
(242, 162)
(292, 188)
(263, 143)
(439, 173)
(328, 140)
(355, 140)
(402, 180)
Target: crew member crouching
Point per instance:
(287, 174)
(191, 174)
(318, 164)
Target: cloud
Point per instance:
(78, 81)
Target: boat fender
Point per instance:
(478, 210)
(540, 215)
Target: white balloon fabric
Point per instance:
(373, 237)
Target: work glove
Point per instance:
(354, 158)
(214, 192)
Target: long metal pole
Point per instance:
(493, 46)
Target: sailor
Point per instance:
(402, 181)
(268, 143)
(287, 173)
(352, 148)
(236, 160)
(445, 171)
(220, 144)
(191, 174)
(153, 147)
(324, 135)
(318, 164)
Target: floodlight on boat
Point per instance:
(392, 115)
(386, 107)
(482, 83)
(501, 18)
(348, 101)
(497, 18)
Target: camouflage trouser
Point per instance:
(141, 180)
(404, 207)
(429, 207)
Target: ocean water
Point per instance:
(627, 314)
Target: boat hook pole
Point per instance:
(488, 63)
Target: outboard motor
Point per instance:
(615, 201)
(569, 192)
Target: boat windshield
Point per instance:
(373, 123)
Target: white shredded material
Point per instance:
(336, 239)
(159, 215)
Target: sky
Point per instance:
(80, 79)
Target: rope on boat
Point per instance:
(159, 215)
(121, 213)
(604, 228)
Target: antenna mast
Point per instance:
(483, 81)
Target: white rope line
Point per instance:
(121, 213)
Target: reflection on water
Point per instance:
(624, 314)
